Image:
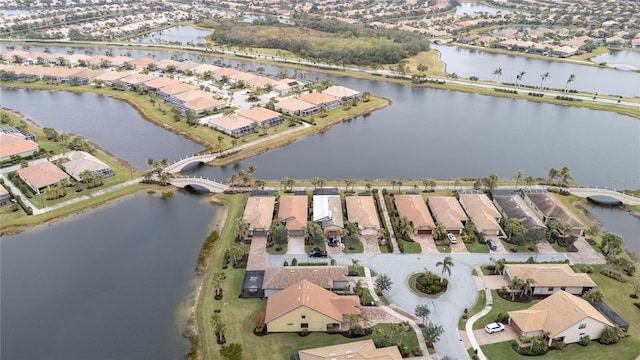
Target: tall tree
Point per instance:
(383, 282)
(519, 77)
(571, 78)
(553, 174)
(422, 311)
(519, 177)
(527, 286)
(565, 175)
(447, 264)
(497, 73)
(543, 78)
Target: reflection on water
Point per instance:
(620, 222)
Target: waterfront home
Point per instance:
(358, 350)
(258, 213)
(232, 124)
(547, 207)
(563, 51)
(560, 317)
(134, 80)
(512, 206)
(80, 161)
(261, 115)
(361, 210)
(447, 211)
(168, 92)
(166, 64)
(322, 100)
(415, 209)
(305, 306)
(5, 197)
(286, 86)
(16, 145)
(225, 72)
(293, 106)
(293, 210)
(550, 278)
(158, 83)
(615, 41)
(327, 211)
(202, 104)
(327, 277)
(41, 176)
(482, 213)
(142, 63)
(259, 82)
(341, 92)
(110, 77)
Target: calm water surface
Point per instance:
(619, 57)
(181, 34)
(105, 284)
(620, 222)
(470, 8)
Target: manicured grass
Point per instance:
(479, 305)
(352, 245)
(500, 306)
(412, 285)
(410, 247)
(271, 250)
(624, 350)
(429, 59)
(476, 247)
(444, 248)
(520, 248)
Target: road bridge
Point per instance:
(177, 166)
(211, 185)
(584, 192)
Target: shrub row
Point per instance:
(508, 91)
(567, 98)
(205, 251)
(613, 274)
(535, 94)
(18, 198)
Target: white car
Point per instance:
(452, 238)
(494, 327)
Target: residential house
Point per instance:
(200, 105)
(327, 277)
(447, 211)
(259, 82)
(134, 80)
(415, 209)
(225, 72)
(286, 86)
(203, 69)
(261, 115)
(322, 100)
(187, 66)
(550, 278)
(560, 317)
(293, 106)
(232, 124)
(293, 210)
(546, 207)
(120, 61)
(168, 93)
(80, 161)
(482, 213)
(41, 176)
(358, 350)
(512, 206)
(361, 210)
(158, 83)
(258, 213)
(563, 51)
(341, 92)
(142, 63)
(16, 145)
(635, 43)
(109, 77)
(615, 41)
(167, 64)
(5, 197)
(307, 306)
(327, 211)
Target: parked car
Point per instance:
(494, 327)
(452, 238)
(316, 252)
(492, 244)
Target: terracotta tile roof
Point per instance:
(204, 103)
(550, 275)
(202, 68)
(323, 276)
(138, 78)
(243, 76)
(120, 60)
(177, 88)
(42, 175)
(415, 209)
(362, 211)
(113, 75)
(81, 161)
(553, 208)
(226, 71)
(3, 192)
(161, 82)
(259, 114)
(258, 211)
(15, 144)
(293, 105)
(186, 65)
(259, 81)
(481, 211)
(556, 313)
(314, 297)
(317, 98)
(62, 72)
(294, 208)
(164, 63)
(358, 350)
(193, 95)
(340, 91)
(142, 62)
(447, 210)
(287, 84)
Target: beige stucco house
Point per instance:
(415, 209)
(447, 211)
(305, 305)
(358, 350)
(550, 278)
(258, 212)
(547, 207)
(361, 210)
(560, 317)
(327, 277)
(293, 210)
(482, 212)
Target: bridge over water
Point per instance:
(211, 185)
(177, 166)
(585, 192)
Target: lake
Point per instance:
(625, 57)
(180, 34)
(620, 222)
(103, 284)
(471, 8)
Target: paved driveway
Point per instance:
(426, 243)
(483, 338)
(586, 254)
(545, 247)
(295, 245)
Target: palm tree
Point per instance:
(217, 279)
(569, 80)
(544, 78)
(519, 77)
(237, 251)
(515, 284)
(527, 286)
(565, 175)
(405, 227)
(440, 232)
(260, 184)
(519, 176)
(499, 265)
(242, 228)
(446, 264)
(497, 73)
(530, 181)
(314, 182)
(553, 174)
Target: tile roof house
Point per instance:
(262, 115)
(512, 206)
(546, 207)
(293, 210)
(327, 210)
(341, 92)
(320, 99)
(108, 77)
(81, 161)
(5, 197)
(258, 212)
(550, 278)
(202, 104)
(560, 317)
(41, 176)
(293, 105)
(327, 277)
(136, 79)
(361, 210)
(258, 82)
(16, 145)
(158, 83)
(447, 210)
(358, 350)
(171, 90)
(481, 211)
(200, 70)
(415, 209)
(286, 86)
(232, 124)
(305, 305)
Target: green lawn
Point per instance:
(479, 305)
(444, 248)
(500, 306)
(520, 248)
(410, 247)
(271, 250)
(626, 349)
(476, 247)
(352, 245)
